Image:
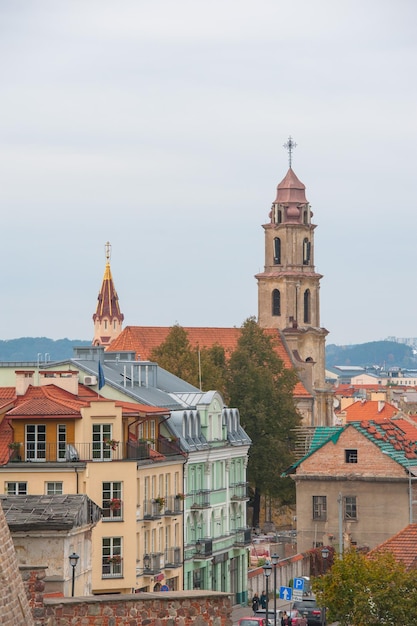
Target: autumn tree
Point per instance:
(262, 388)
(371, 590)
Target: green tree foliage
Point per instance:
(262, 388)
(367, 590)
(204, 368)
(257, 383)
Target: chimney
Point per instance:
(24, 378)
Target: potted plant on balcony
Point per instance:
(14, 445)
(160, 501)
(115, 504)
(111, 443)
(180, 496)
(115, 559)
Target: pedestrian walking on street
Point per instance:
(255, 603)
(263, 600)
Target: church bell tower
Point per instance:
(289, 287)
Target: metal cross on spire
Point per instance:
(107, 248)
(290, 145)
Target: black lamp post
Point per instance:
(73, 559)
(267, 571)
(325, 555)
(275, 559)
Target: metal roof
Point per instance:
(63, 512)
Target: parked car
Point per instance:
(295, 616)
(309, 607)
(255, 620)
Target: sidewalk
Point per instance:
(239, 611)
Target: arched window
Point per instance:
(276, 302)
(277, 251)
(307, 306)
(306, 251)
(305, 217)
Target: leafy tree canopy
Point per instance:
(262, 388)
(204, 368)
(367, 590)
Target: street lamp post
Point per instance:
(325, 555)
(73, 559)
(267, 571)
(275, 559)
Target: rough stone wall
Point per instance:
(14, 606)
(180, 608)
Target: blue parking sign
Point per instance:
(299, 584)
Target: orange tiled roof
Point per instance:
(6, 437)
(403, 546)
(144, 339)
(48, 401)
(7, 393)
(369, 410)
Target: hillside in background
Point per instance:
(384, 354)
(38, 349)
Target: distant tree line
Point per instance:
(383, 354)
(38, 348)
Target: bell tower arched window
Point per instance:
(307, 306)
(276, 302)
(277, 251)
(306, 251)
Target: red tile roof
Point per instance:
(48, 401)
(144, 339)
(403, 546)
(369, 410)
(6, 437)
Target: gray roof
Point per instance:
(144, 381)
(25, 513)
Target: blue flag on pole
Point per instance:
(101, 379)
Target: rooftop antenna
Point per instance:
(290, 146)
(107, 248)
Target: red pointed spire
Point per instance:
(107, 319)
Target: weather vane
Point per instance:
(290, 145)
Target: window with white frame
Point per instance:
(53, 488)
(112, 502)
(62, 441)
(16, 488)
(101, 434)
(35, 442)
(112, 557)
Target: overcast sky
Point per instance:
(158, 125)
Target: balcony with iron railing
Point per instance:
(200, 499)
(239, 491)
(152, 509)
(200, 548)
(243, 537)
(106, 450)
(173, 558)
(203, 548)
